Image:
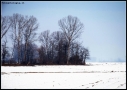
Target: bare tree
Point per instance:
(17, 26)
(45, 41)
(5, 25)
(41, 52)
(75, 53)
(29, 33)
(84, 54)
(23, 31)
(71, 27)
(4, 50)
(59, 41)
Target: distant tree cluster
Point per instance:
(58, 48)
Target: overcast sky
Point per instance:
(104, 33)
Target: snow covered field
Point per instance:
(96, 75)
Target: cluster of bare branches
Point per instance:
(54, 50)
(59, 47)
(71, 27)
(22, 32)
(5, 25)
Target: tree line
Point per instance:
(58, 48)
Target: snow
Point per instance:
(97, 76)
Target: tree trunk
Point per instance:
(68, 55)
